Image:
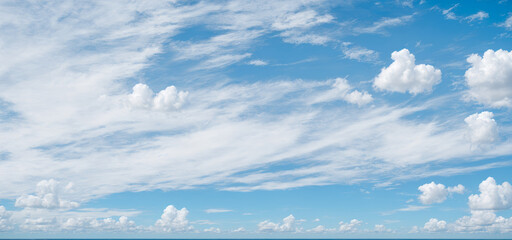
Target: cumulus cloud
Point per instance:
(434, 225)
(5, 222)
(482, 128)
(104, 224)
(173, 220)
(350, 226)
(403, 75)
(288, 225)
(492, 196)
(490, 78)
(167, 99)
(483, 221)
(437, 193)
(47, 196)
(341, 90)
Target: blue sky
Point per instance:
(248, 119)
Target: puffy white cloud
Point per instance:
(434, 225)
(173, 220)
(167, 99)
(482, 128)
(341, 90)
(288, 225)
(483, 221)
(40, 224)
(492, 196)
(490, 78)
(47, 196)
(350, 226)
(5, 221)
(105, 224)
(403, 75)
(437, 193)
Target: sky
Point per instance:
(256, 119)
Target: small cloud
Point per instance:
(507, 24)
(412, 208)
(477, 16)
(203, 222)
(448, 14)
(212, 230)
(240, 229)
(258, 62)
(383, 23)
(213, 210)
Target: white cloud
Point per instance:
(222, 61)
(448, 13)
(215, 210)
(240, 229)
(258, 62)
(350, 226)
(480, 15)
(212, 230)
(167, 99)
(490, 78)
(321, 229)
(492, 196)
(403, 75)
(47, 196)
(412, 208)
(379, 228)
(483, 221)
(341, 90)
(5, 221)
(434, 225)
(437, 193)
(173, 220)
(303, 19)
(76, 115)
(507, 24)
(101, 225)
(359, 53)
(288, 225)
(482, 128)
(298, 37)
(378, 26)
